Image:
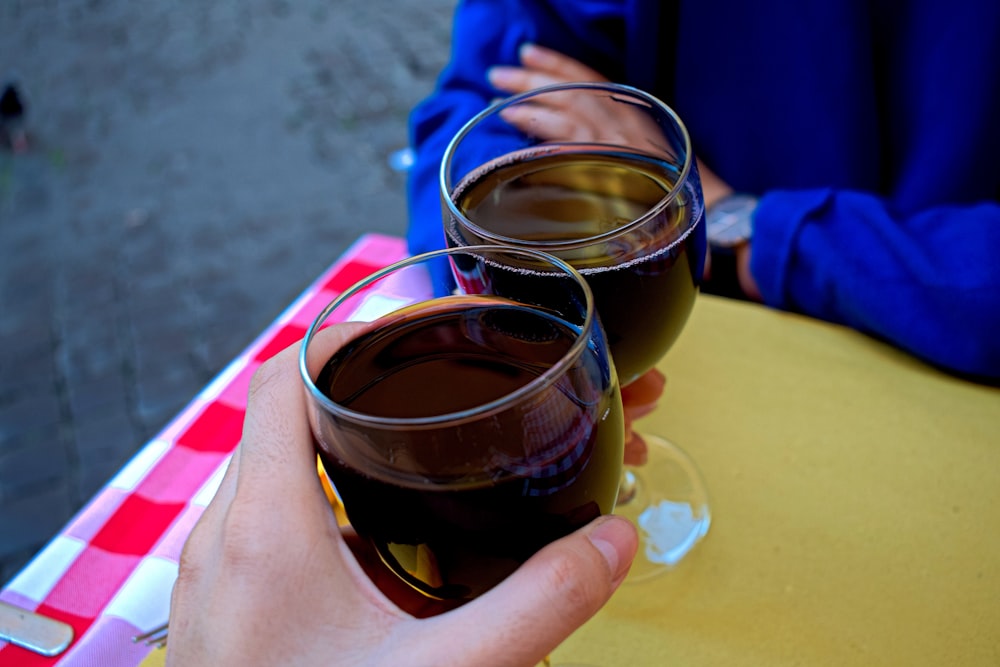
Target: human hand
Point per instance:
(266, 576)
(639, 398)
(542, 67)
(566, 116)
(747, 282)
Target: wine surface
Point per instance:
(644, 275)
(454, 507)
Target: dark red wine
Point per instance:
(644, 279)
(456, 504)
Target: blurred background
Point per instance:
(181, 171)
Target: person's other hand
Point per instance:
(541, 66)
(747, 282)
(567, 116)
(267, 578)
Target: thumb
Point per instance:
(547, 598)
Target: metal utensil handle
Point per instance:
(32, 631)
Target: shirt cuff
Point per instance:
(779, 217)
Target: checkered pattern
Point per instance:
(110, 571)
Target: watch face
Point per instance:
(728, 222)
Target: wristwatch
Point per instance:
(728, 223)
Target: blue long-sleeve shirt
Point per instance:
(869, 128)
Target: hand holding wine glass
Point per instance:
(267, 578)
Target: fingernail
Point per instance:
(525, 50)
(497, 75)
(617, 541)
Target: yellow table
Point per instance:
(856, 506)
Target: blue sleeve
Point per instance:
(928, 281)
(487, 33)
(483, 35)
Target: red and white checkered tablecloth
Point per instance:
(110, 571)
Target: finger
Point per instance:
(557, 64)
(227, 487)
(389, 584)
(636, 450)
(548, 123)
(196, 564)
(201, 541)
(547, 598)
(276, 454)
(747, 282)
(541, 67)
(276, 451)
(644, 390)
(519, 79)
(635, 412)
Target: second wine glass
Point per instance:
(602, 176)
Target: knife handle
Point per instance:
(32, 631)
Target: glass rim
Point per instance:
(535, 384)
(445, 186)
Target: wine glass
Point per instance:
(602, 176)
(465, 431)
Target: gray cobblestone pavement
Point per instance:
(192, 167)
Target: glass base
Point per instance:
(667, 500)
